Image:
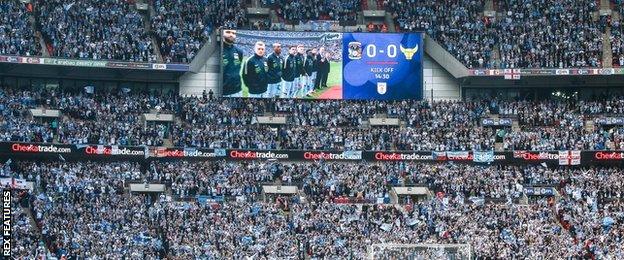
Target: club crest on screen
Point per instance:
(382, 87)
(355, 50)
(409, 53)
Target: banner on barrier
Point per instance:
(111, 150)
(569, 157)
(94, 63)
(539, 191)
(531, 156)
(37, 148)
(139, 152)
(610, 121)
(497, 122)
(163, 152)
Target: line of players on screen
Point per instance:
(297, 75)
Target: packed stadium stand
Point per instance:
(16, 34)
(507, 34)
(85, 211)
(118, 141)
(116, 119)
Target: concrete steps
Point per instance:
(498, 146)
(38, 35)
(607, 52)
(31, 219)
(148, 28)
(372, 5)
(360, 17)
(496, 54)
(489, 5)
(515, 125)
(167, 142)
(273, 16)
(33, 223)
(390, 22)
(157, 52)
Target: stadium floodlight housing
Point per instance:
(419, 251)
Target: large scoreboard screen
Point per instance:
(384, 66)
(322, 65)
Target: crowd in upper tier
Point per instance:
(118, 119)
(527, 34)
(182, 26)
(16, 34)
(520, 34)
(97, 30)
(84, 209)
(295, 11)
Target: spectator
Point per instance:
(183, 26)
(98, 30)
(16, 34)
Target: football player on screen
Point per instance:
(308, 65)
(289, 72)
(300, 80)
(255, 72)
(231, 64)
(275, 62)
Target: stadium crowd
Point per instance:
(117, 119)
(617, 36)
(16, 34)
(324, 181)
(528, 34)
(183, 26)
(83, 210)
(26, 234)
(16, 124)
(591, 210)
(96, 30)
(246, 40)
(87, 118)
(218, 210)
(553, 138)
(457, 25)
(212, 178)
(82, 202)
(295, 11)
(570, 38)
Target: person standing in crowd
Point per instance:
(255, 72)
(301, 78)
(289, 73)
(232, 59)
(323, 69)
(309, 68)
(275, 62)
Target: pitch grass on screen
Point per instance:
(334, 83)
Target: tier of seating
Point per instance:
(116, 119)
(522, 34)
(84, 210)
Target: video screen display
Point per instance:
(384, 66)
(321, 65)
